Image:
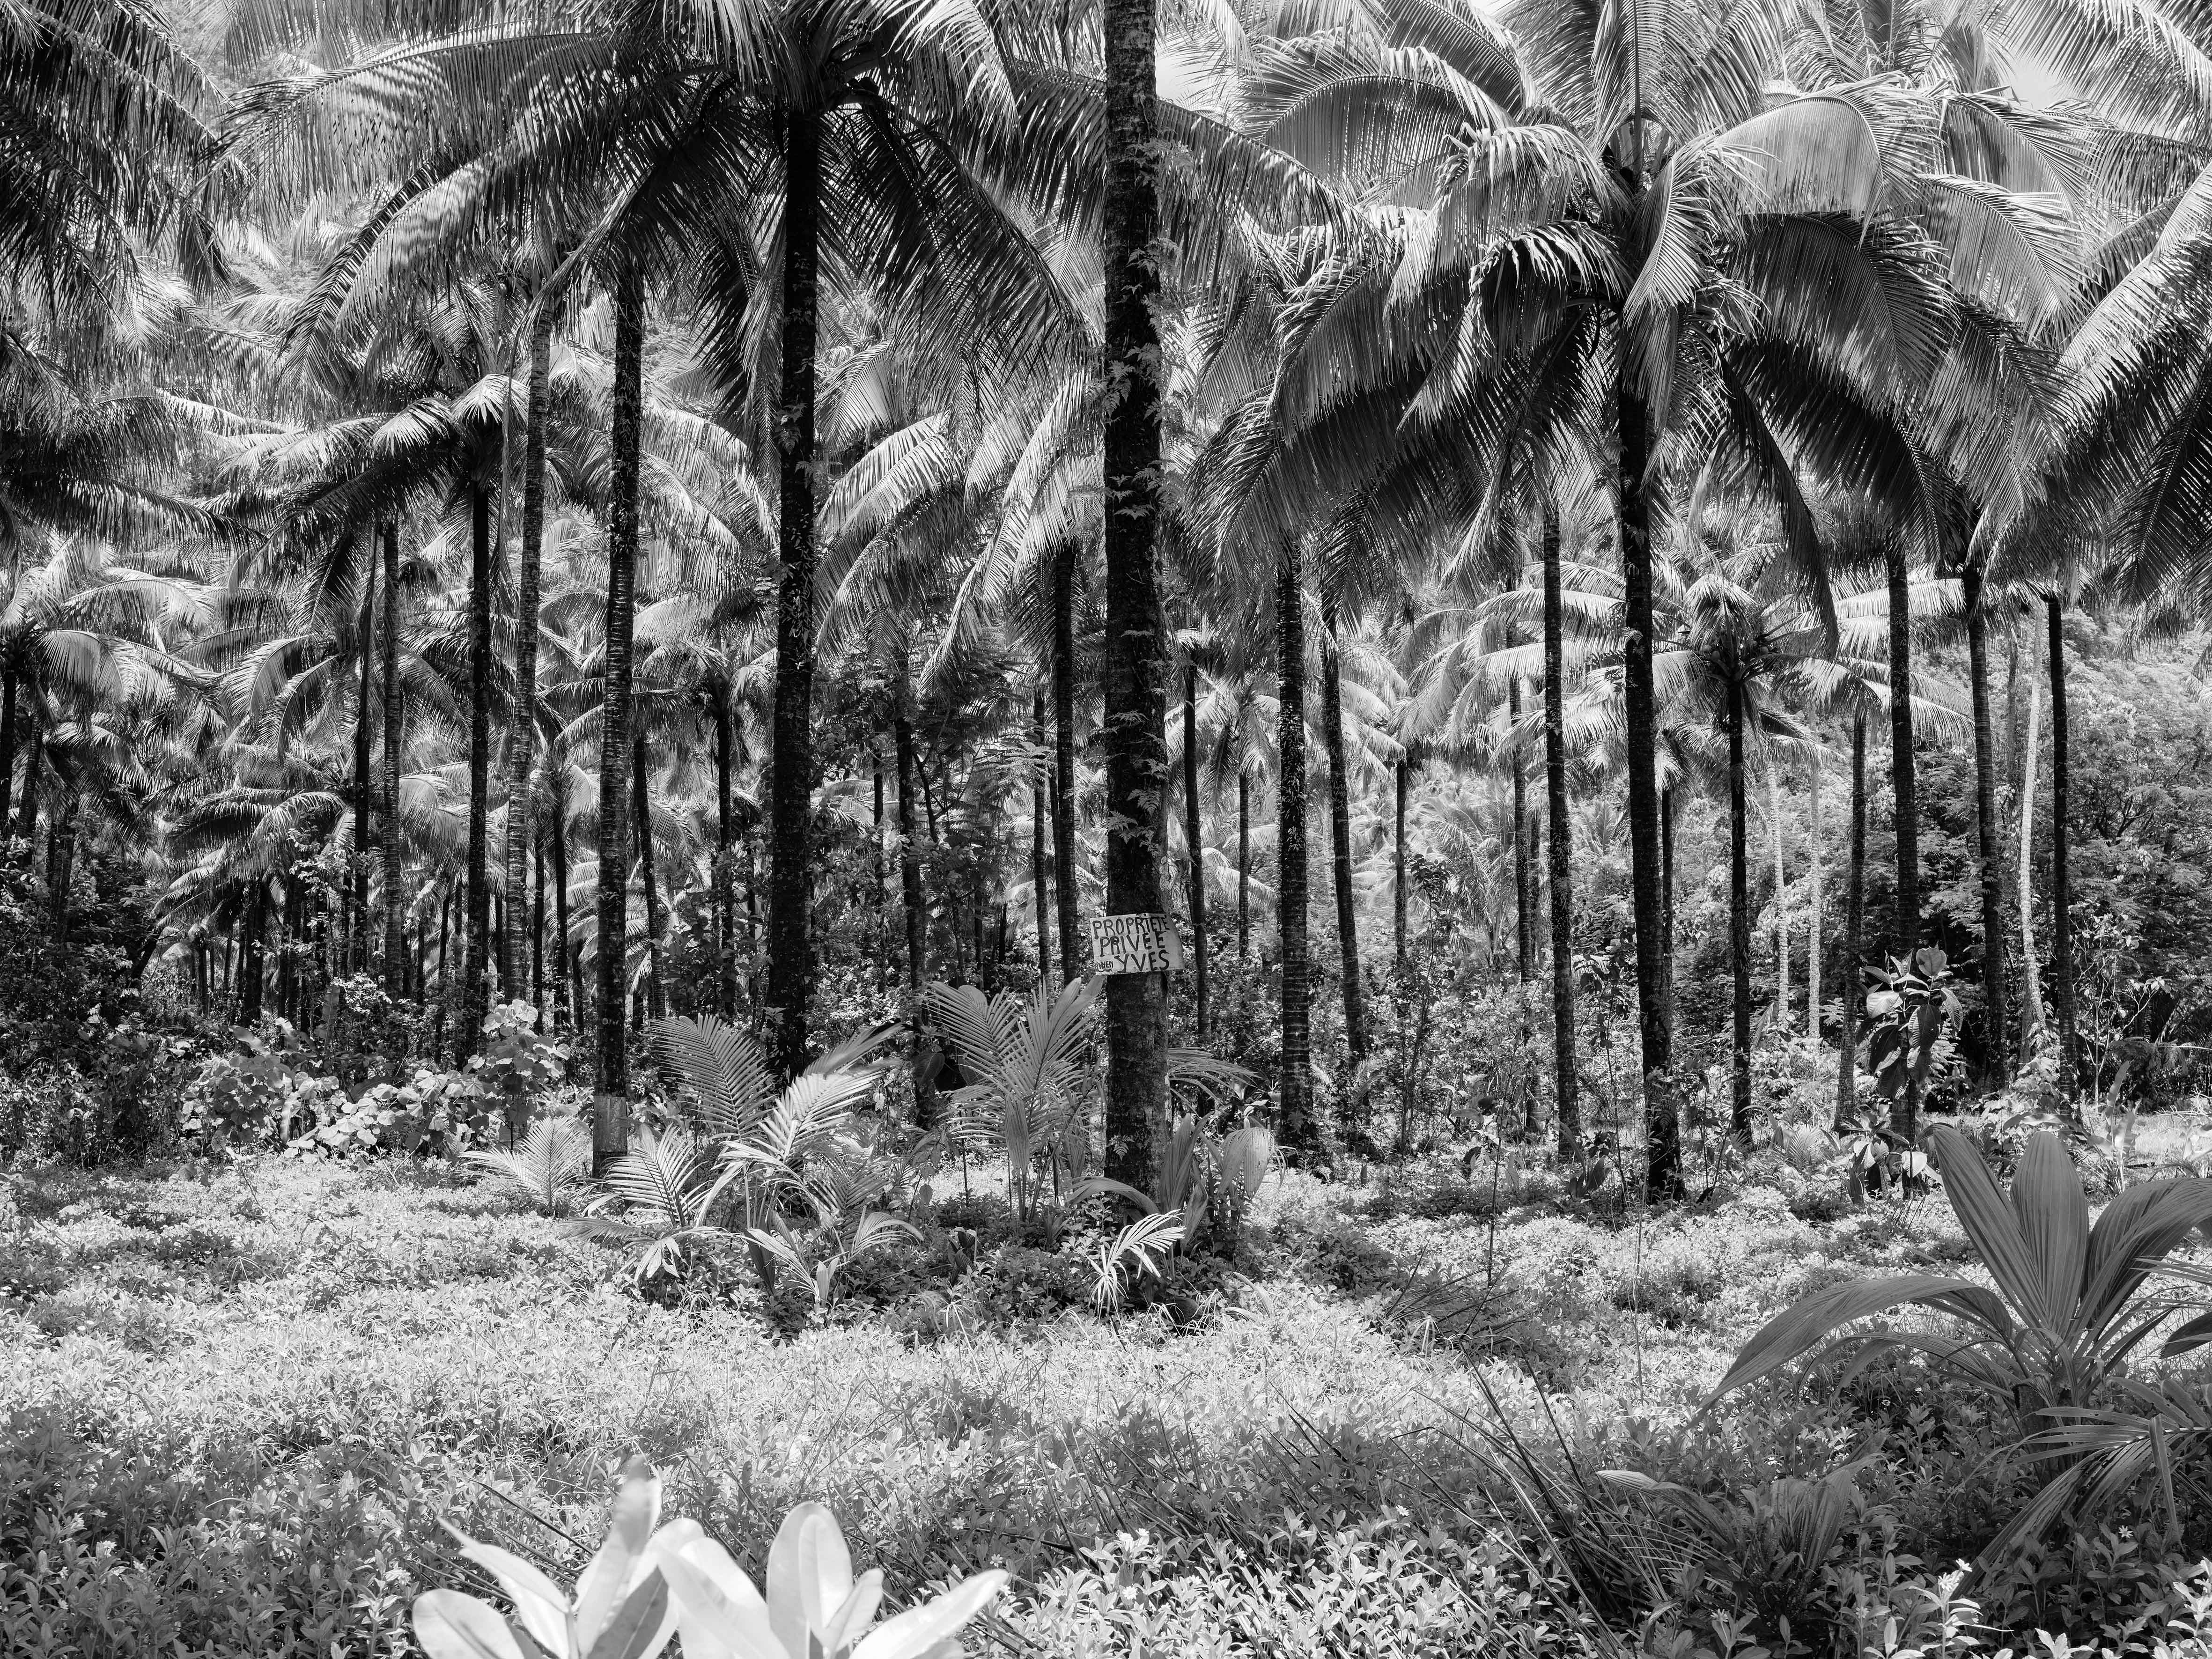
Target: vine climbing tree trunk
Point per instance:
(791, 800)
(1063, 760)
(1136, 628)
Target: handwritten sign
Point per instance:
(1134, 944)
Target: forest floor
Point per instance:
(268, 1313)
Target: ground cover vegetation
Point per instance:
(593, 596)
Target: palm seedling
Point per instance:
(549, 1166)
(2073, 1302)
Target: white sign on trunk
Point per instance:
(1134, 944)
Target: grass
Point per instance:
(353, 1319)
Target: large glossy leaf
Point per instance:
(2054, 1220)
(642, 1625)
(916, 1631)
(452, 1625)
(1990, 1225)
(1798, 1329)
(809, 1574)
(606, 1582)
(720, 1614)
(540, 1606)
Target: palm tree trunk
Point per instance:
(1668, 804)
(1136, 628)
(7, 741)
(357, 946)
(1565, 1077)
(1905, 930)
(1988, 838)
(641, 815)
(1398, 870)
(395, 918)
(610, 1108)
(61, 858)
(790, 950)
(725, 902)
(1663, 1175)
(1812, 905)
(1040, 857)
(1782, 1009)
(2030, 986)
(1524, 907)
(1193, 837)
(1905, 808)
(917, 917)
(250, 952)
(1063, 763)
(1243, 865)
(522, 728)
(538, 938)
(2062, 892)
(564, 959)
(1339, 839)
(476, 986)
(1739, 927)
(1847, 1063)
(26, 811)
(1300, 1128)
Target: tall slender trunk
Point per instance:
(7, 741)
(564, 949)
(1668, 802)
(1663, 1176)
(1989, 837)
(250, 951)
(1339, 840)
(790, 950)
(1739, 926)
(1040, 858)
(1560, 848)
(61, 860)
(1905, 929)
(1299, 1126)
(2062, 890)
(610, 1108)
(1398, 868)
(27, 811)
(2031, 985)
(1193, 838)
(537, 937)
(395, 915)
(726, 903)
(641, 815)
(1847, 1063)
(917, 918)
(1063, 759)
(1812, 903)
(358, 949)
(522, 727)
(1524, 908)
(1782, 1014)
(475, 987)
(1137, 643)
(1243, 865)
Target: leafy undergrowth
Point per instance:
(238, 1392)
